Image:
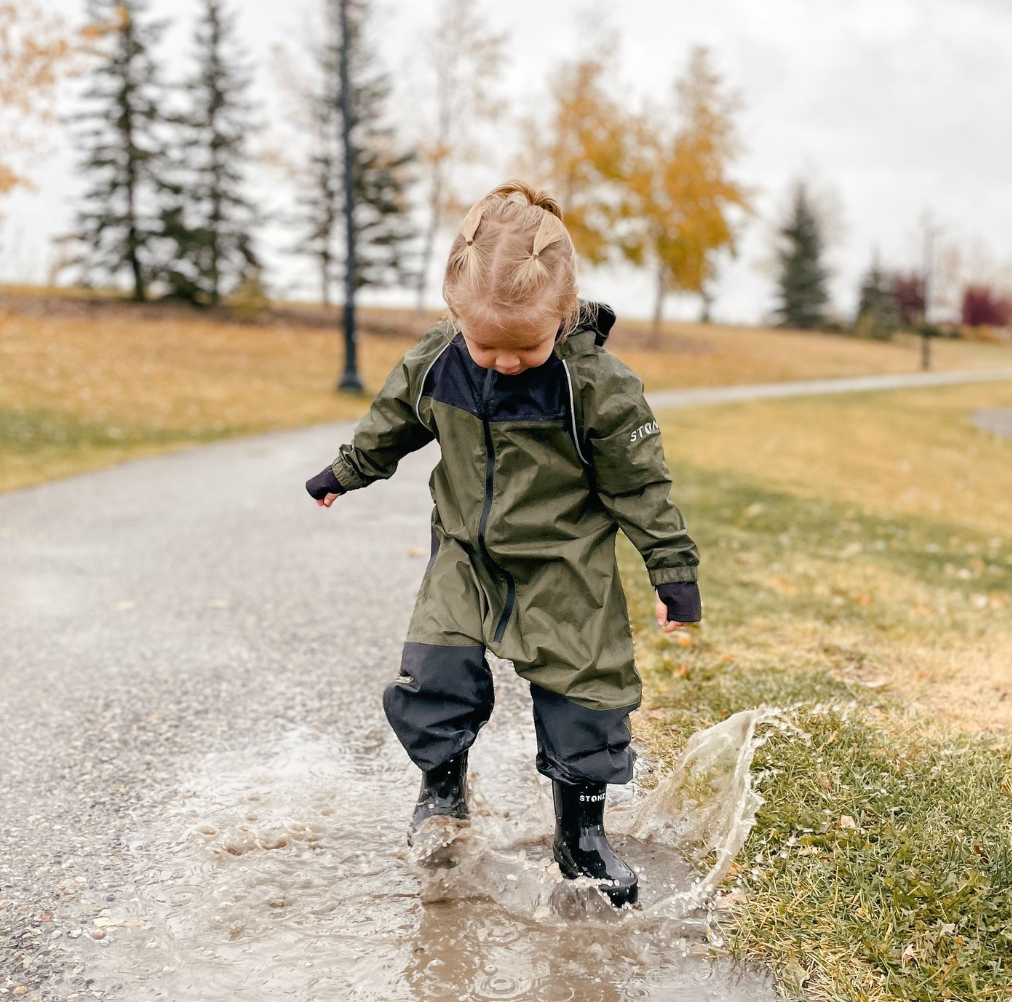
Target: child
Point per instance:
(548, 448)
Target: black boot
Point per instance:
(443, 793)
(581, 847)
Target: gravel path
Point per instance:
(193, 650)
(166, 607)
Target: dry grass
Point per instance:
(893, 555)
(859, 570)
(88, 391)
(85, 382)
(909, 451)
(713, 355)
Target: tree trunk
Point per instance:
(140, 293)
(133, 241)
(430, 237)
(655, 330)
(707, 297)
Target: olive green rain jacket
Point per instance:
(538, 472)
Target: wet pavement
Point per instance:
(200, 797)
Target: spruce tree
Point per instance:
(802, 275)
(210, 219)
(354, 209)
(877, 311)
(118, 226)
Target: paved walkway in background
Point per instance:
(997, 420)
(661, 400)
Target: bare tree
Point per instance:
(467, 61)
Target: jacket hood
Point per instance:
(599, 317)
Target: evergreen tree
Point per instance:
(802, 274)
(354, 207)
(118, 226)
(210, 218)
(877, 311)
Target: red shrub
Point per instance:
(983, 307)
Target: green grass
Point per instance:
(28, 430)
(61, 443)
(915, 901)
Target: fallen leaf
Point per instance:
(846, 821)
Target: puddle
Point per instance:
(284, 873)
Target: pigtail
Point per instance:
(532, 272)
(464, 261)
(513, 253)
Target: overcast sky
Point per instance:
(896, 110)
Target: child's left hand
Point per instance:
(678, 603)
(667, 625)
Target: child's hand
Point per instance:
(678, 603)
(667, 625)
(324, 488)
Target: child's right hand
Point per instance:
(324, 488)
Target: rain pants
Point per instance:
(538, 472)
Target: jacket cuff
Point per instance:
(666, 575)
(324, 483)
(347, 475)
(682, 601)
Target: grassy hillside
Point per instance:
(857, 565)
(86, 382)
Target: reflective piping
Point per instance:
(572, 415)
(418, 402)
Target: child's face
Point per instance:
(509, 350)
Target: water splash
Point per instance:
(285, 871)
(681, 836)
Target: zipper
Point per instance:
(498, 571)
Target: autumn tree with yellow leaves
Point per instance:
(652, 188)
(681, 207)
(580, 155)
(35, 52)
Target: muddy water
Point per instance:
(283, 873)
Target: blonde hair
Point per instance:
(513, 255)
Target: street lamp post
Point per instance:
(350, 382)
